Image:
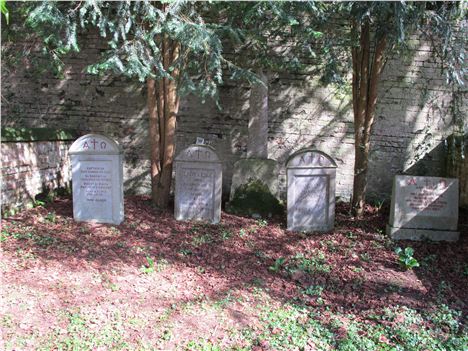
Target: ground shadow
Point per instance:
(355, 265)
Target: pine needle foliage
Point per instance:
(133, 31)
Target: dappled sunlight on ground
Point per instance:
(157, 282)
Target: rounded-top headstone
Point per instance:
(198, 153)
(311, 191)
(198, 184)
(92, 144)
(310, 158)
(97, 179)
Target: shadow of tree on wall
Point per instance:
(32, 171)
(302, 114)
(413, 119)
(111, 105)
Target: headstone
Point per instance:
(198, 180)
(257, 143)
(97, 178)
(248, 169)
(311, 191)
(424, 208)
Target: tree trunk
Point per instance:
(367, 68)
(163, 106)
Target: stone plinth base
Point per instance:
(421, 234)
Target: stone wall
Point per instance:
(30, 168)
(457, 163)
(413, 117)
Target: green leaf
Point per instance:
(409, 251)
(5, 11)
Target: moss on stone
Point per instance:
(10, 134)
(254, 199)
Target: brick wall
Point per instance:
(30, 168)
(413, 117)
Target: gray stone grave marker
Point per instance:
(311, 191)
(198, 180)
(247, 169)
(424, 208)
(97, 176)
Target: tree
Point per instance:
(176, 48)
(169, 46)
(373, 30)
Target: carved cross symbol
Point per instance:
(94, 144)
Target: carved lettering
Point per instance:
(197, 195)
(428, 197)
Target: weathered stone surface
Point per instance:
(413, 116)
(249, 169)
(422, 234)
(424, 208)
(311, 191)
(198, 183)
(97, 176)
(257, 145)
(31, 168)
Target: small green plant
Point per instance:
(314, 290)
(51, 217)
(45, 240)
(149, 266)
(4, 233)
(429, 261)
(311, 265)
(202, 345)
(262, 223)
(226, 234)
(38, 203)
(242, 232)
(202, 239)
(185, 252)
(357, 269)
(351, 235)
(114, 230)
(365, 257)
(121, 244)
(279, 262)
(331, 246)
(405, 257)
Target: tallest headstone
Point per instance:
(258, 119)
(97, 176)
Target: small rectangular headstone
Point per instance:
(198, 184)
(97, 177)
(424, 208)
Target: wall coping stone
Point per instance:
(13, 135)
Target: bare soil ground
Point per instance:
(160, 283)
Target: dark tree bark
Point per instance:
(163, 106)
(367, 68)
